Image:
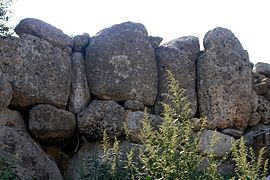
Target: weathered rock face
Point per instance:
(45, 31)
(179, 57)
(135, 124)
(5, 93)
(120, 64)
(222, 146)
(90, 156)
(100, 116)
(24, 157)
(134, 105)
(51, 124)
(224, 81)
(80, 42)
(38, 71)
(263, 68)
(12, 119)
(79, 92)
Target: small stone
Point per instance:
(155, 41)
(80, 42)
(12, 119)
(101, 116)
(5, 93)
(215, 142)
(267, 82)
(51, 124)
(134, 105)
(260, 88)
(262, 68)
(232, 132)
(135, 124)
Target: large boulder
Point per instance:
(79, 93)
(38, 71)
(120, 64)
(224, 81)
(23, 158)
(5, 93)
(51, 124)
(45, 31)
(179, 57)
(100, 116)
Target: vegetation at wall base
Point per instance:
(172, 152)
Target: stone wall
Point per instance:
(57, 90)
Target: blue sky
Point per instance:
(247, 19)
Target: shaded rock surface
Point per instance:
(179, 56)
(222, 146)
(24, 157)
(45, 31)
(38, 71)
(51, 124)
(135, 124)
(90, 156)
(263, 68)
(80, 42)
(120, 64)
(100, 116)
(224, 81)
(134, 105)
(79, 92)
(12, 118)
(5, 93)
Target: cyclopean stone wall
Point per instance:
(57, 90)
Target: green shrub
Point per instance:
(5, 29)
(249, 165)
(172, 152)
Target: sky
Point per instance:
(249, 20)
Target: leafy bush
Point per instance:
(172, 152)
(5, 29)
(248, 164)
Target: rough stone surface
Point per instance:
(233, 132)
(38, 71)
(134, 105)
(45, 31)
(155, 41)
(224, 81)
(100, 116)
(120, 64)
(51, 124)
(262, 113)
(134, 124)
(262, 68)
(30, 162)
(5, 93)
(80, 42)
(90, 155)
(12, 119)
(179, 56)
(79, 92)
(220, 148)
(260, 88)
